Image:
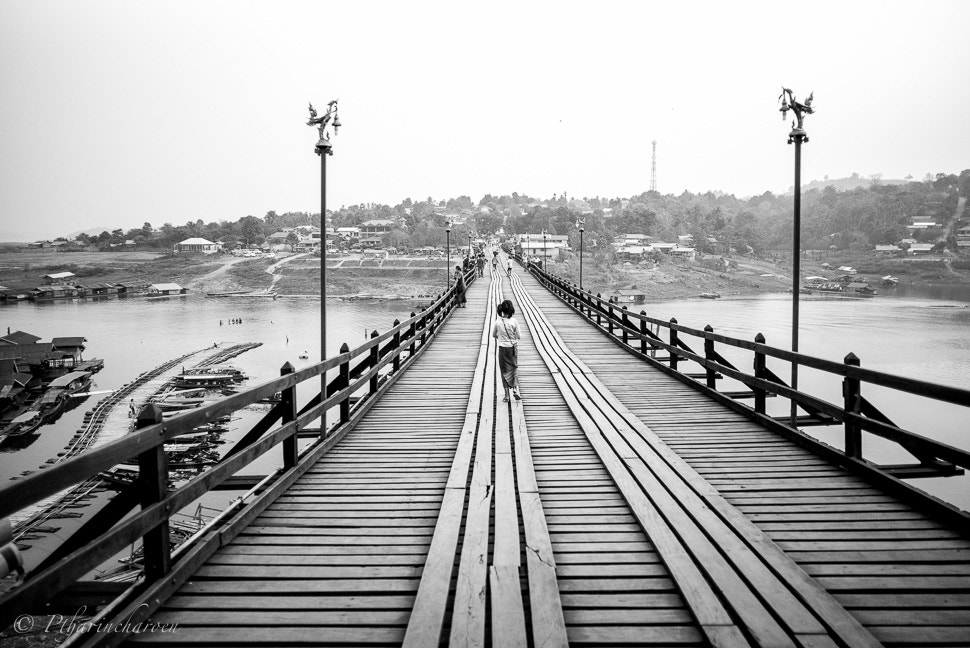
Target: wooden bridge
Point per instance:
(624, 501)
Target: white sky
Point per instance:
(117, 113)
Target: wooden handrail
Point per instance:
(158, 504)
(629, 330)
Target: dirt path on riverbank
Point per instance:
(217, 280)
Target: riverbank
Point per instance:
(403, 277)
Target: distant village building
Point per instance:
(58, 277)
(372, 232)
(349, 234)
(543, 245)
(198, 245)
(888, 249)
(920, 248)
(632, 253)
(963, 239)
(682, 252)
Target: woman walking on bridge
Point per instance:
(506, 331)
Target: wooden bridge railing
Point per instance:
(372, 368)
(640, 335)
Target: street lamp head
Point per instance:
(788, 102)
(323, 145)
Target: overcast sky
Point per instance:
(117, 113)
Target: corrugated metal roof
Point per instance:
(59, 342)
(67, 379)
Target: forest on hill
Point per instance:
(853, 219)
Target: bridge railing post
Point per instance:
(423, 325)
(411, 335)
(434, 315)
(674, 358)
(344, 384)
(153, 475)
(852, 397)
(288, 403)
(375, 357)
(761, 373)
(709, 356)
(609, 316)
(643, 333)
(396, 347)
(625, 324)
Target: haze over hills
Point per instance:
(852, 182)
(668, 209)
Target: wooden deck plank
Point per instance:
(723, 445)
(575, 378)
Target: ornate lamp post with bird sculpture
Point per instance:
(448, 253)
(797, 136)
(323, 148)
(580, 223)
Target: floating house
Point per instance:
(53, 292)
(166, 290)
(629, 296)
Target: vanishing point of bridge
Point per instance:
(624, 501)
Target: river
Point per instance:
(922, 335)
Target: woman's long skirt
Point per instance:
(508, 363)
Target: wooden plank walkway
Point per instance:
(613, 506)
(904, 576)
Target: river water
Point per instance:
(923, 335)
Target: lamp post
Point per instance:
(580, 223)
(469, 246)
(797, 136)
(545, 262)
(448, 253)
(323, 148)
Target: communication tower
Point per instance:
(653, 168)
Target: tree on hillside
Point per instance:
(292, 239)
(397, 239)
(252, 230)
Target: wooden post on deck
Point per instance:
(375, 357)
(609, 316)
(396, 347)
(411, 334)
(852, 396)
(625, 324)
(423, 325)
(344, 383)
(153, 475)
(643, 333)
(288, 403)
(599, 309)
(759, 372)
(709, 356)
(673, 345)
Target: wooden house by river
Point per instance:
(166, 290)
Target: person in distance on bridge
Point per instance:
(506, 331)
(460, 286)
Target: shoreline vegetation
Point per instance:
(354, 277)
